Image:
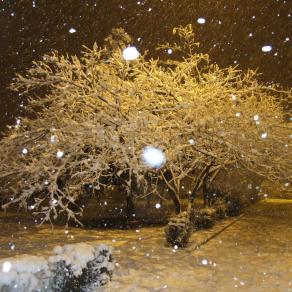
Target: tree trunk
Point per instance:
(176, 201)
(130, 208)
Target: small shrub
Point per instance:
(178, 230)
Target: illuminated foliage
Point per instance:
(96, 114)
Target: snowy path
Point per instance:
(254, 254)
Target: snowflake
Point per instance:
(60, 154)
(266, 48)
(153, 157)
(24, 151)
(157, 206)
(72, 30)
(130, 53)
(201, 20)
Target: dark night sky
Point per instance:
(235, 32)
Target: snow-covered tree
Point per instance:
(114, 117)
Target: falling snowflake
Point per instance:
(60, 154)
(53, 139)
(192, 141)
(24, 151)
(264, 135)
(256, 117)
(130, 53)
(204, 262)
(72, 30)
(201, 20)
(153, 157)
(157, 206)
(54, 202)
(267, 48)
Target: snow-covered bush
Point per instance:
(178, 230)
(76, 267)
(97, 114)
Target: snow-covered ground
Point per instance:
(253, 254)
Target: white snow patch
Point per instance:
(6, 266)
(35, 273)
(24, 272)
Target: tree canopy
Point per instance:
(95, 115)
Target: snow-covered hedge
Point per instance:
(76, 267)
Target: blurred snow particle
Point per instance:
(169, 51)
(267, 48)
(264, 135)
(12, 246)
(6, 267)
(24, 151)
(72, 30)
(256, 117)
(233, 97)
(201, 20)
(238, 115)
(53, 138)
(60, 154)
(130, 53)
(204, 262)
(157, 206)
(192, 141)
(153, 157)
